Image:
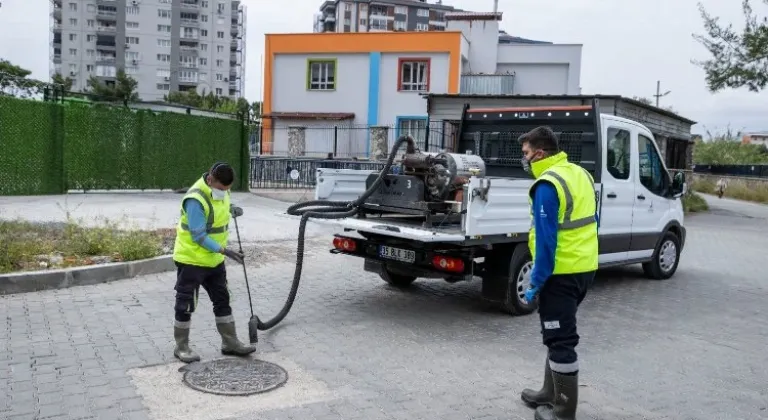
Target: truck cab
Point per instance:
(640, 213)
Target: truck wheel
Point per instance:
(520, 267)
(666, 257)
(397, 280)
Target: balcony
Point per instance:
(57, 58)
(188, 65)
(106, 59)
(189, 50)
(57, 26)
(233, 59)
(488, 84)
(234, 45)
(108, 15)
(190, 5)
(194, 23)
(194, 36)
(234, 30)
(106, 30)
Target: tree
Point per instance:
(15, 80)
(65, 82)
(726, 149)
(736, 59)
(211, 102)
(123, 90)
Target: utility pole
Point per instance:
(658, 92)
(495, 6)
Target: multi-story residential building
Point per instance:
(166, 45)
(381, 15)
(758, 137)
(341, 84)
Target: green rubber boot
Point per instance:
(566, 399)
(544, 396)
(230, 345)
(182, 350)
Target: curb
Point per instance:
(35, 281)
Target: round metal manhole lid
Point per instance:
(232, 376)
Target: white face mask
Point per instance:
(218, 194)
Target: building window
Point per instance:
(163, 28)
(131, 56)
(422, 13)
(164, 57)
(90, 53)
(91, 8)
(89, 68)
(415, 127)
(132, 40)
(219, 77)
(73, 21)
(219, 48)
(221, 7)
(203, 47)
(219, 92)
(164, 73)
(164, 13)
(131, 70)
(132, 25)
(163, 86)
(163, 42)
(203, 32)
(401, 10)
(220, 34)
(73, 37)
(400, 25)
(203, 18)
(73, 7)
(321, 75)
(363, 22)
(413, 74)
(422, 26)
(91, 23)
(204, 4)
(90, 38)
(73, 51)
(219, 63)
(132, 10)
(203, 61)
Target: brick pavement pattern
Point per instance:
(692, 347)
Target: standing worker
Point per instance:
(199, 251)
(563, 246)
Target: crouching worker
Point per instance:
(199, 251)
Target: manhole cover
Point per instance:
(233, 376)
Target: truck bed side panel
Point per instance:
(504, 211)
(340, 184)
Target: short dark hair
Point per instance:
(541, 138)
(223, 173)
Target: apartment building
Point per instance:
(381, 15)
(166, 45)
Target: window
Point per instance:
(413, 75)
(90, 53)
(219, 77)
(164, 57)
(73, 21)
(422, 26)
(203, 32)
(132, 25)
(652, 174)
(221, 7)
(90, 38)
(131, 70)
(204, 4)
(321, 75)
(73, 68)
(618, 152)
(166, 1)
(219, 48)
(187, 61)
(73, 7)
(163, 28)
(422, 13)
(131, 56)
(378, 23)
(415, 127)
(132, 40)
(363, 21)
(203, 18)
(164, 13)
(187, 76)
(189, 33)
(132, 10)
(89, 68)
(203, 47)
(91, 23)
(73, 51)
(203, 61)
(73, 37)
(401, 10)
(163, 42)
(163, 86)
(219, 91)
(91, 8)
(163, 73)
(219, 63)
(220, 34)
(400, 25)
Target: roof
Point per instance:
(461, 15)
(417, 3)
(337, 116)
(505, 38)
(563, 97)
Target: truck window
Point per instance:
(651, 169)
(618, 153)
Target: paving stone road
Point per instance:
(692, 347)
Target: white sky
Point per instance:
(627, 47)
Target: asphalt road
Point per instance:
(692, 347)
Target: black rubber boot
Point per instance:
(544, 396)
(230, 345)
(566, 399)
(182, 350)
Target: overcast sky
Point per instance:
(628, 45)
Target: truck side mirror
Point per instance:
(678, 184)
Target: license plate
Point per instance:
(397, 254)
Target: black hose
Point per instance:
(324, 209)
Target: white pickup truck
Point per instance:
(639, 206)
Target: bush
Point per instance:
(694, 203)
(33, 246)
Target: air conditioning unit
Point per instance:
(127, 46)
(135, 2)
(135, 62)
(167, 79)
(73, 73)
(226, 79)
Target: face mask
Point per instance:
(526, 164)
(218, 194)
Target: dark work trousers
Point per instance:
(558, 302)
(189, 278)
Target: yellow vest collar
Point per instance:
(540, 166)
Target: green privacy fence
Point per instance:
(50, 148)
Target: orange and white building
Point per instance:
(337, 85)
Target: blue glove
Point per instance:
(531, 293)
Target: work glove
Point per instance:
(235, 211)
(531, 293)
(236, 256)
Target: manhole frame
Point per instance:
(185, 380)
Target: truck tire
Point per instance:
(398, 280)
(666, 257)
(519, 277)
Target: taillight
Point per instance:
(445, 263)
(345, 244)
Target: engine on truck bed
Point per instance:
(425, 184)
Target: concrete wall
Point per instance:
(393, 103)
(542, 69)
(483, 40)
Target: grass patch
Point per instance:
(26, 246)
(757, 192)
(694, 203)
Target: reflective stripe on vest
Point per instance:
(211, 215)
(188, 251)
(567, 222)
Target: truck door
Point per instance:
(618, 192)
(651, 208)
